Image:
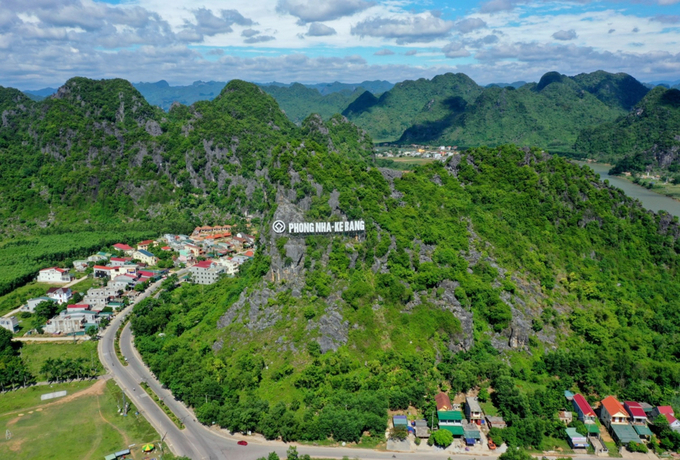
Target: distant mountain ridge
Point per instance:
(454, 110)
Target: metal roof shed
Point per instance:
(642, 430)
(455, 430)
(450, 415)
(110, 457)
(625, 434)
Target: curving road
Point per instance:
(199, 442)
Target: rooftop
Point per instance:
(582, 404)
(613, 406)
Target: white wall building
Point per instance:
(32, 303)
(54, 275)
(206, 272)
(10, 323)
(60, 295)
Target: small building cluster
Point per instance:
(626, 422)
(441, 152)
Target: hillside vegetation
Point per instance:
(647, 137)
(464, 269)
(96, 154)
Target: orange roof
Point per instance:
(613, 406)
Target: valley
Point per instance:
(492, 275)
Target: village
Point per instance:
(119, 276)
(441, 153)
(612, 425)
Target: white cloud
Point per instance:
(469, 24)
(384, 52)
(321, 10)
(455, 50)
(412, 29)
(316, 29)
(565, 35)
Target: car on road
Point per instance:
(242, 443)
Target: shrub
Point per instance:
(442, 438)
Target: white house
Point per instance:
(206, 272)
(80, 265)
(32, 303)
(230, 266)
(54, 275)
(61, 295)
(10, 323)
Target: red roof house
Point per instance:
(637, 413)
(583, 409)
(122, 247)
(443, 401)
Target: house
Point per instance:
(100, 271)
(585, 413)
(230, 266)
(496, 422)
(144, 245)
(99, 297)
(145, 256)
(576, 439)
(612, 412)
(60, 295)
(565, 417)
(195, 250)
(422, 430)
(81, 307)
(80, 265)
(473, 411)
(667, 411)
(120, 261)
(54, 275)
(97, 257)
(569, 395)
(471, 434)
(636, 412)
(71, 322)
(451, 420)
(32, 303)
(206, 272)
(250, 254)
(124, 248)
(10, 323)
(443, 401)
(400, 421)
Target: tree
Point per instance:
(398, 433)
(92, 331)
(442, 438)
(292, 453)
(46, 309)
(515, 454)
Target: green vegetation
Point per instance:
(21, 259)
(442, 438)
(37, 354)
(13, 371)
(162, 405)
(299, 101)
(84, 425)
(505, 233)
(19, 296)
(644, 138)
(29, 398)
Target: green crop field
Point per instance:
(80, 425)
(19, 296)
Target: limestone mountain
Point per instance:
(647, 137)
(98, 152)
(550, 113)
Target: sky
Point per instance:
(46, 42)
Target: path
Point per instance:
(62, 338)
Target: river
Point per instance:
(650, 200)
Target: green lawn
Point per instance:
(19, 296)
(86, 427)
(489, 408)
(35, 354)
(86, 284)
(30, 397)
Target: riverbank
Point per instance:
(655, 199)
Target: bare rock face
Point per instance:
(333, 330)
(153, 128)
(448, 301)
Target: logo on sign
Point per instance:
(279, 226)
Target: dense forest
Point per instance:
(646, 138)
(505, 268)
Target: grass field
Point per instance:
(35, 354)
(86, 284)
(19, 296)
(84, 425)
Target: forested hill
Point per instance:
(647, 137)
(549, 114)
(98, 153)
(503, 268)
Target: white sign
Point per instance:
(319, 227)
(56, 394)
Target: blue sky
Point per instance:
(45, 42)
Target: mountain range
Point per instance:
(503, 267)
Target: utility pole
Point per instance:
(160, 446)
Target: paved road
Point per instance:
(199, 442)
